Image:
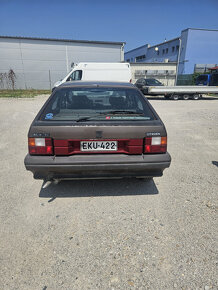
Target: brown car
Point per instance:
(97, 130)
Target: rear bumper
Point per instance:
(97, 166)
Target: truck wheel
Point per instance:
(175, 97)
(185, 97)
(196, 97)
(167, 97)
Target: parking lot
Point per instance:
(113, 234)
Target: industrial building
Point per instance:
(38, 62)
(194, 50)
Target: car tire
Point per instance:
(185, 97)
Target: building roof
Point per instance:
(63, 40)
(167, 41)
(213, 68)
(199, 29)
(148, 47)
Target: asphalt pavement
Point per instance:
(113, 234)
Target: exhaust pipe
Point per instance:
(48, 182)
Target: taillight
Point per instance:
(155, 145)
(130, 80)
(40, 146)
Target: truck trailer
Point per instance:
(182, 92)
(154, 88)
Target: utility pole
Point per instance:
(178, 61)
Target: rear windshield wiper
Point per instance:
(90, 117)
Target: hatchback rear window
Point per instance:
(78, 104)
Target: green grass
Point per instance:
(22, 93)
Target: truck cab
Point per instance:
(203, 80)
(207, 79)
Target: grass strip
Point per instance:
(22, 93)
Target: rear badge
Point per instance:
(153, 134)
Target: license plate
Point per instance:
(98, 145)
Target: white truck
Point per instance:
(98, 71)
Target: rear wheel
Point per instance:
(185, 97)
(175, 97)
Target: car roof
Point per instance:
(96, 84)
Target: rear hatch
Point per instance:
(97, 120)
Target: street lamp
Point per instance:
(157, 51)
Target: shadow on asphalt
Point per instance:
(106, 187)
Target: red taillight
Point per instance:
(72, 146)
(130, 80)
(155, 145)
(40, 146)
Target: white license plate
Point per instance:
(98, 145)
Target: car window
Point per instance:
(100, 103)
(153, 82)
(75, 76)
(141, 81)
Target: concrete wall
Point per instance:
(39, 63)
(164, 72)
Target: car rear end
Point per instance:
(99, 130)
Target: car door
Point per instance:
(139, 83)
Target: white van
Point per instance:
(98, 71)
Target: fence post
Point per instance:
(49, 74)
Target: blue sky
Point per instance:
(136, 22)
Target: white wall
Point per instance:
(39, 63)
